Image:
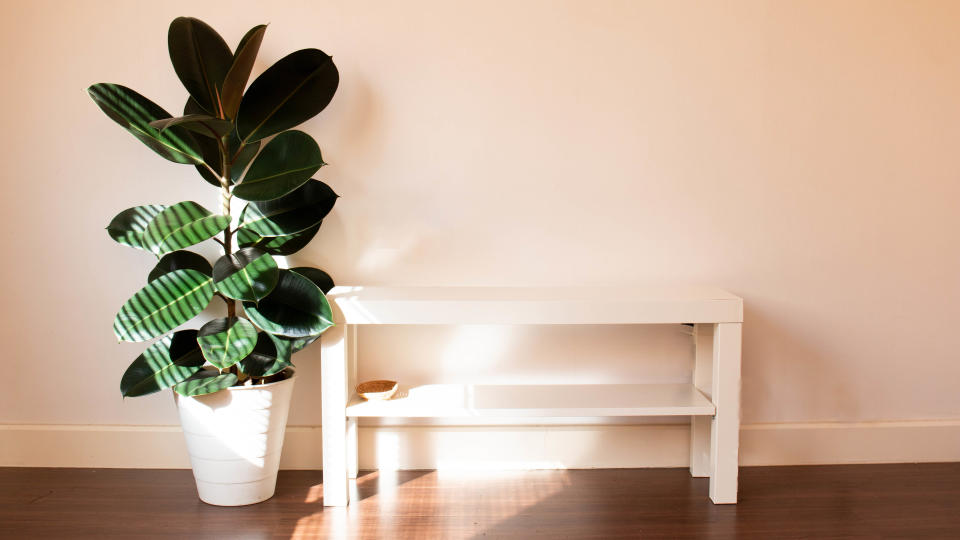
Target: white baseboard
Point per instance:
(913, 441)
(500, 447)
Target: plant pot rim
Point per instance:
(289, 370)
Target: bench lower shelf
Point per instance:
(512, 401)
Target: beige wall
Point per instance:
(804, 155)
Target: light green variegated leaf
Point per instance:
(247, 238)
(293, 213)
(295, 308)
(135, 112)
(182, 225)
(270, 356)
(179, 260)
(285, 164)
(248, 274)
(171, 360)
(164, 304)
(277, 245)
(227, 341)
(127, 227)
(205, 382)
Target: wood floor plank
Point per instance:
(861, 501)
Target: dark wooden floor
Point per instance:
(862, 501)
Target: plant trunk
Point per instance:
(225, 197)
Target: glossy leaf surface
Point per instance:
(227, 341)
(203, 124)
(248, 274)
(298, 344)
(180, 260)
(164, 304)
(290, 92)
(127, 227)
(324, 282)
(135, 112)
(319, 278)
(169, 361)
(192, 107)
(295, 308)
(277, 245)
(201, 59)
(241, 157)
(239, 74)
(205, 382)
(182, 225)
(293, 213)
(286, 163)
(269, 357)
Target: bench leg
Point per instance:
(352, 463)
(352, 351)
(725, 429)
(333, 372)
(702, 377)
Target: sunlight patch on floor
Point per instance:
(418, 504)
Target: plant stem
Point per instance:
(225, 196)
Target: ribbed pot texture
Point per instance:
(234, 438)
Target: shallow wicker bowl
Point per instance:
(377, 390)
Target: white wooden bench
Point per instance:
(711, 399)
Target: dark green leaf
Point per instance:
(247, 238)
(239, 74)
(227, 341)
(179, 260)
(164, 304)
(295, 308)
(201, 59)
(210, 151)
(135, 112)
(277, 245)
(127, 227)
(241, 157)
(293, 213)
(290, 92)
(205, 382)
(203, 124)
(298, 344)
(182, 225)
(286, 163)
(319, 278)
(269, 357)
(171, 360)
(248, 274)
(192, 107)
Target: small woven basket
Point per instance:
(377, 390)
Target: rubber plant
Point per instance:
(240, 141)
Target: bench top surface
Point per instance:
(534, 305)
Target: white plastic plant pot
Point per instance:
(234, 438)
